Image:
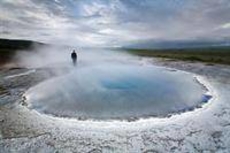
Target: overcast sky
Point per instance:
(114, 22)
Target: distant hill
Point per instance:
(210, 55)
(153, 44)
(12, 44)
(8, 48)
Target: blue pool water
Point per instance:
(117, 92)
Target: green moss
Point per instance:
(208, 55)
(3, 90)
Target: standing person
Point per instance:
(74, 57)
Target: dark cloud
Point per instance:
(103, 22)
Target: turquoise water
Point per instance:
(117, 92)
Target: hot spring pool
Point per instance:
(117, 92)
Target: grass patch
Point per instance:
(3, 90)
(6, 55)
(219, 55)
(9, 47)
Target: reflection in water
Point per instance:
(117, 91)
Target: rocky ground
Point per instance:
(206, 129)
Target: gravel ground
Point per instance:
(206, 129)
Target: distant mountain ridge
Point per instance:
(152, 44)
(9, 47)
(15, 44)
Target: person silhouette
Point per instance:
(74, 57)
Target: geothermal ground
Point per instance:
(114, 91)
(205, 129)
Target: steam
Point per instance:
(115, 91)
(40, 57)
(106, 83)
(59, 57)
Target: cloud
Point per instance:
(113, 23)
(225, 26)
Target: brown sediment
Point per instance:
(10, 65)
